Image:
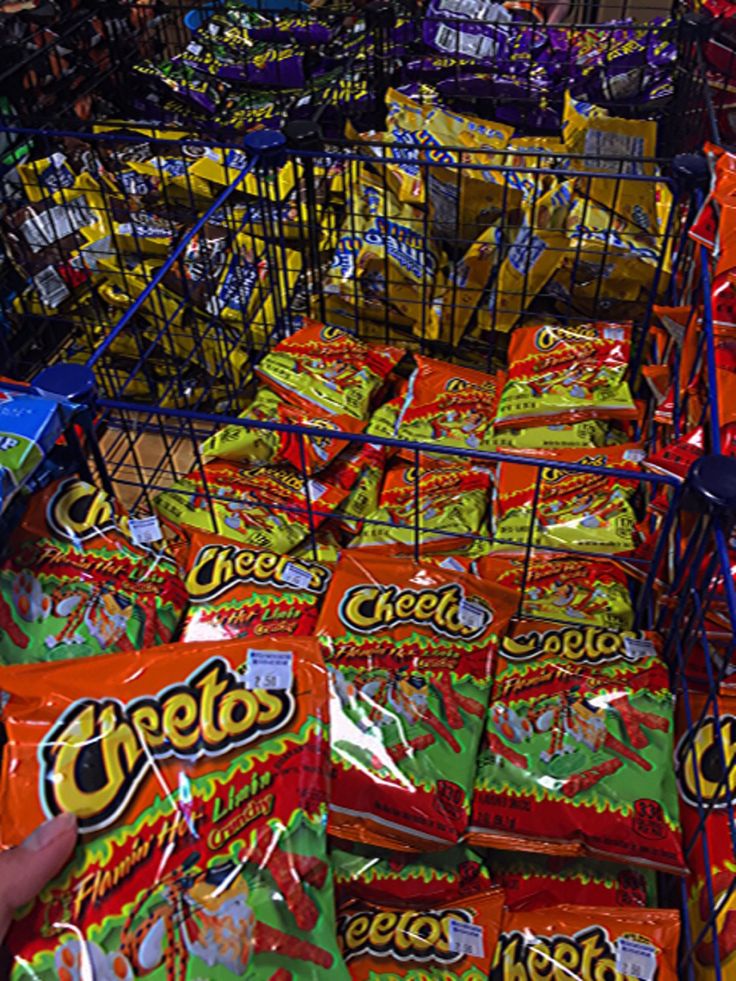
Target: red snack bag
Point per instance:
(535, 881)
(78, 580)
(566, 374)
(578, 746)
(563, 587)
(327, 367)
(201, 802)
(409, 649)
(454, 941)
(311, 453)
(676, 458)
(376, 876)
(450, 405)
(706, 739)
(264, 506)
(588, 943)
(239, 591)
(575, 510)
(453, 506)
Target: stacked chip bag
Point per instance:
(705, 782)
(387, 266)
(223, 802)
(588, 942)
(251, 445)
(327, 368)
(237, 591)
(449, 405)
(452, 940)
(378, 876)
(409, 649)
(579, 740)
(532, 882)
(442, 510)
(567, 374)
(29, 427)
(565, 508)
(81, 577)
(588, 591)
(271, 506)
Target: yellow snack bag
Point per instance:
(463, 204)
(530, 261)
(388, 251)
(457, 299)
(627, 143)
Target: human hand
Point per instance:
(25, 870)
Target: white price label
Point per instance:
(51, 287)
(614, 333)
(296, 577)
(635, 648)
(269, 670)
(465, 938)
(214, 29)
(451, 563)
(145, 530)
(635, 959)
(195, 49)
(472, 615)
(635, 456)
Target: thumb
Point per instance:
(25, 870)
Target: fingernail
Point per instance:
(49, 831)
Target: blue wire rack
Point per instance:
(155, 409)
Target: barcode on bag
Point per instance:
(269, 670)
(635, 959)
(635, 648)
(471, 615)
(296, 577)
(447, 39)
(465, 938)
(51, 287)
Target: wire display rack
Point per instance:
(172, 368)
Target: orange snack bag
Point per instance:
(200, 796)
(454, 941)
(563, 587)
(565, 374)
(239, 591)
(450, 508)
(450, 405)
(409, 649)
(328, 368)
(575, 510)
(588, 943)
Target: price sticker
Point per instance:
(614, 333)
(635, 648)
(195, 49)
(471, 615)
(636, 456)
(296, 577)
(635, 959)
(269, 670)
(465, 938)
(145, 530)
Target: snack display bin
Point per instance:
(174, 357)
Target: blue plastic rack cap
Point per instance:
(75, 382)
(269, 145)
(713, 478)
